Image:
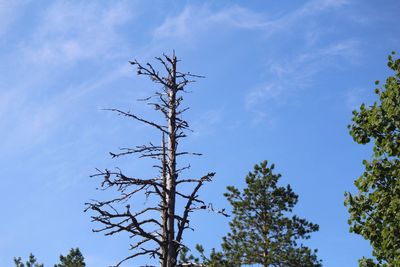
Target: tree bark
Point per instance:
(164, 232)
(171, 173)
(164, 211)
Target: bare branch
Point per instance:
(181, 225)
(165, 231)
(128, 114)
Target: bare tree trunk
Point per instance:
(171, 177)
(164, 208)
(154, 236)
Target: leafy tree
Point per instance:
(262, 230)
(73, 259)
(32, 262)
(375, 210)
(156, 230)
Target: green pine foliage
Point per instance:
(216, 259)
(263, 231)
(73, 259)
(375, 210)
(32, 262)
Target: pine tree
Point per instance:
(32, 262)
(73, 259)
(262, 232)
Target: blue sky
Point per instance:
(282, 78)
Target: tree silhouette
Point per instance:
(157, 229)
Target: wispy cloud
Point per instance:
(313, 6)
(194, 20)
(197, 19)
(206, 123)
(291, 75)
(285, 76)
(69, 32)
(29, 120)
(262, 93)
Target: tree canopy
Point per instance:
(32, 262)
(375, 209)
(73, 259)
(262, 230)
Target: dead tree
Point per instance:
(157, 230)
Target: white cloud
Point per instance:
(206, 123)
(285, 76)
(194, 20)
(69, 32)
(346, 48)
(239, 17)
(66, 33)
(263, 93)
(28, 121)
(305, 65)
(314, 6)
(293, 74)
(176, 26)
